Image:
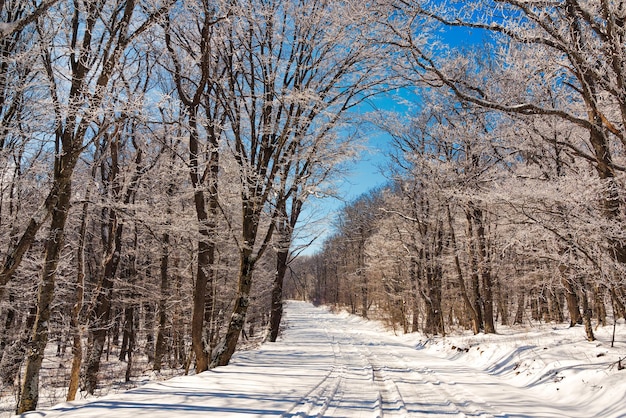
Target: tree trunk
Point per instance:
(534, 305)
(485, 270)
(473, 266)
(502, 303)
(130, 337)
(571, 298)
(460, 279)
(598, 304)
(159, 350)
(413, 277)
(544, 312)
(225, 350)
(276, 312)
(15, 255)
(619, 310)
(432, 299)
(101, 313)
(203, 288)
(587, 313)
(9, 322)
(54, 244)
(519, 314)
(556, 312)
(149, 327)
(77, 335)
(13, 353)
(198, 345)
(178, 329)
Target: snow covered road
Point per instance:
(336, 366)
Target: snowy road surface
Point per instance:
(336, 366)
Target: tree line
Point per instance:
(505, 199)
(157, 157)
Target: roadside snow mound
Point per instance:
(554, 360)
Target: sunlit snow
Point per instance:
(339, 365)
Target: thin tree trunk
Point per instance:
(178, 333)
(129, 335)
(13, 353)
(101, 313)
(112, 240)
(203, 288)
(127, 332)
(198, 345)
(502, 304)
(587, 314)
(485, 270)
(475, 278)
(160, 341)
(77, 335)
(9, 322)
(598, 304)
(556, 312)
(149, 326)
(519, 314)
(619, 309)
(414, 290)
(460, 279)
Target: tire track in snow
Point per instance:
(316, 401)
(465, 402)
(376, 380)
(389, 400)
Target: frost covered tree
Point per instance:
(77, 104)
(561, 60)
(289, 77)
(195, 66)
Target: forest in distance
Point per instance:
(160, 161)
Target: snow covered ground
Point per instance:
(343, 366)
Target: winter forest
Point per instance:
(160, 161)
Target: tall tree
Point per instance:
(292, 69)
(75, 119)
(561, 59)
(195, 88)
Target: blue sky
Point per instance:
(367, 173)
(363, 175)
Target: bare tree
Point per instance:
(195, 88)
(87, 90)
(558, 59)
(289, 76)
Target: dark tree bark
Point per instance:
(484, 267)
(476, 297)
(572, 298)
(160, 347)
(476, 323)
(587, 312)
(54, 244)
(225, 350)
(521, 304)
(276, 312)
